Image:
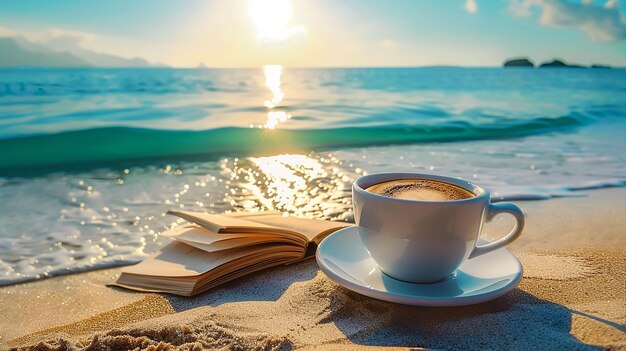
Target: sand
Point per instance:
(572, 296)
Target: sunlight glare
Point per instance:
(272, 17)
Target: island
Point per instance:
(519, 62)
(555, 63)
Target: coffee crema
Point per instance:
(420, 189)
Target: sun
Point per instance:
(272, 19)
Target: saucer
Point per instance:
(343, 257)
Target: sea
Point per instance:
(91, 159)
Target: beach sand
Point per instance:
(572, 296)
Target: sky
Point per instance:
(324, 33)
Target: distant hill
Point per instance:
(13, 55)
(19, 52)
(107, 60)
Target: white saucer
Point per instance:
(344, 258)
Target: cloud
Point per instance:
(520, 8)
(12, 33)
(62, 39)
(6, 32)
(471, 6)
(598, 23)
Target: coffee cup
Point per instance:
(420, 228)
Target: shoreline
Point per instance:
(576, 193)
(571, 295)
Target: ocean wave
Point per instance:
(103, 146)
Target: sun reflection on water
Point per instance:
(273, 75)
(296, 184)
(288, 179)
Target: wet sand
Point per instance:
(572, 296)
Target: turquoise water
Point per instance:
(91, 159)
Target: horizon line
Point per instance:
(294, 67)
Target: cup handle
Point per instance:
(492, 211)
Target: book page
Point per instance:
(313, 229)
(233, 243)
(229, 224)
(168, 272)
(181, 260)
(252, 214)
(204, 239)
(196, 233)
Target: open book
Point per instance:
(214, 249)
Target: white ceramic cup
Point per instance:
(426, 241)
